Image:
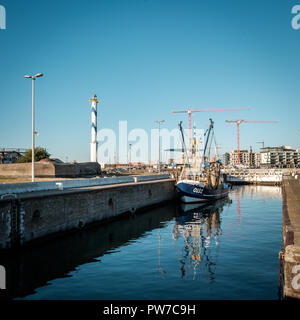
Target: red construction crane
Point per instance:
(190, 111)
(238, 122)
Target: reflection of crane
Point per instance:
(190, 111)
(238, 122)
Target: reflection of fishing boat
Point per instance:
(204, 208)
(192, 206)
(200, 227)
(205, 184)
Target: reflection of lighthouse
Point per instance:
(94, 143)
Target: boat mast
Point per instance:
(207, 139)
(182, 138)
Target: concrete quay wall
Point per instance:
(13, 189)
(50, 169)
(36, 215)
(254, 176)
(290, 254)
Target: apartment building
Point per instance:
(280, 157)
(248, 159)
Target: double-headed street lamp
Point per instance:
(33, 130)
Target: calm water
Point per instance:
(228, 250)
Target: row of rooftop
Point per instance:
(280, 157)
(274, 157)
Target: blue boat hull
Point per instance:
(195, 192)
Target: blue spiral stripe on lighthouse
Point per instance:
(95, 113)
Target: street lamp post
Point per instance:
(33, 129)
(129, 164)
(159, 122)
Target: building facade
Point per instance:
(269, 157)
(247, 159)
(280, 157)
(226, 159)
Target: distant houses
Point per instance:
(10, 155)
(269, 157)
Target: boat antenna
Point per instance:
(206, 142)
(182, 138)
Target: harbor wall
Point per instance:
(36, 215)
(290, 254)
(13, 189)
(50, 169)
(253, 176)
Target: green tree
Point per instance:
(39, 154)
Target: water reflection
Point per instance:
(161, 271)
(156, 254)
(267, 192)
(254, 192)
(200, 228)
(36, 266)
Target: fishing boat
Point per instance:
(201, 180)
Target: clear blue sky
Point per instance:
(144, 58)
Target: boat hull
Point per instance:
(195, 192)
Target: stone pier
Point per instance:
(39, 214)
(291, 236)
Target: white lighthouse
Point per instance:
(94, 143)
